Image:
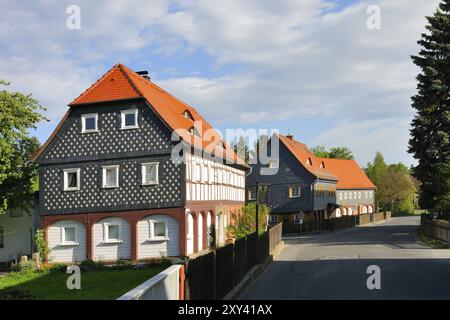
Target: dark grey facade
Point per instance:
(70, 148)
(290, 173)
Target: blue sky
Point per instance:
(309, 67)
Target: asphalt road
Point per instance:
(334, 266)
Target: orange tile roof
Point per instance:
(122, 83)
(350, 175)
(306, 158)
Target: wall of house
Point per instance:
(19, 227)
(324, 193)
(207, 180)
(60, 252)
(160, 248)
(355, 198)
(128, 148)
(103, 251)
(290, 173)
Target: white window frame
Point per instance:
(299, 192)
(64, 242)
(341, 195)
(104, 168)
(370, 194)
(151, 224)
(66, 179)
(250, 198)
(123, 113)
(83, 122)
(143, 171)
(359, 194)
(106, 238)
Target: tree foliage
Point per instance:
(396, 186)
(242, 150)
(430, 133)
(334, 152)
(245, 220)
(18, 174)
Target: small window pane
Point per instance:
(130, 120)
(159, 229)
(111, 177)
(113, 232)
(151, 173)
(72, 180)
(90, 123)
(69, 234)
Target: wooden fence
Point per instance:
(437, 229)
(331, 224)
(213, 275)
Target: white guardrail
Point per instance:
(164, 286)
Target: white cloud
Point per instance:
(297, 58)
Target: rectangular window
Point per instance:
(129, 119)
(69, 235)
(273, 219)
(150, 173)
(2, 237)
(89, 123)
(71, 179)
(110, 177)
(252, 195)
(158, 230)
(294, 192)
(112, 233)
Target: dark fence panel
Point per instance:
(263, 247)
(213, 275)
(240, 256)
(224, 270)
(200, 276)
(252, 247)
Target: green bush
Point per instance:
(23, 266)
(16, 294)
(41, 245)
(59, 267)
(88, 265)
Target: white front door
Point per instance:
(190, 235)
(200, 232)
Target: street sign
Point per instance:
(298, 219)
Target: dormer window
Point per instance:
(193, 131)
(188, 115)
(322, 165)
(129, 119)
(89, 122)
(220, 144)
(309, 161)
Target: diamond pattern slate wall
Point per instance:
(110, 146)
(130, 194)
(110, 140)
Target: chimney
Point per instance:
(144, 74)
(290, 137)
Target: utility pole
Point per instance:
(257, 205)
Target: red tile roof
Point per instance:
(122, 83)
(306, 158)
(350, 175)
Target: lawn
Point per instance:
(95, 285)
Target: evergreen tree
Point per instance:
(430, 133)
